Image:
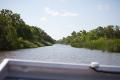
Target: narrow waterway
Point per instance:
(64, 54)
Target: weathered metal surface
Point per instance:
(33, 70)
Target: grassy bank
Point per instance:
(101, 38)
(100, 44)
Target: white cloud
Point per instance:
(44, 18)
(51, 12)
(103, 7)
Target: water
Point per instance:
(63, 54)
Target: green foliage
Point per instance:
(26, 44)
(15, 33)
(102, 38)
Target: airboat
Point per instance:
(14, 69)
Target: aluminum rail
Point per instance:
(105, 68)
(57, 71)
(3, 69)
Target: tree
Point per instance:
(104, 38)
(15, 33)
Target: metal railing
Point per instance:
(57, 71)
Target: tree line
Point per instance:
(16, 34)
(102, 38)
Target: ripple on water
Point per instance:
(63, 53)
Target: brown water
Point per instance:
(63, 53)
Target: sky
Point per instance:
(60, 17)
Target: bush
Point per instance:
(25, 44)
(112, 45)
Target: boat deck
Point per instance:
(18, 78)
(35, 70)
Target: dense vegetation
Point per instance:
(16, 34)
(102, 38)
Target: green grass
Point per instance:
(111, 45)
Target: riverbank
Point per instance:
(101, 38)
(16, 34)
(101, 44)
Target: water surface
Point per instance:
(64, 54)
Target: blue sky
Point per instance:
(60, 17)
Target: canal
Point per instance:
(63, 54)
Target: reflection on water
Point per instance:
(63, 53)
